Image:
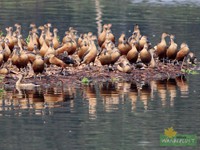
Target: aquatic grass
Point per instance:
(1, 90)
(189, 71)
(1, 33)
(85, 80)
(28, 39)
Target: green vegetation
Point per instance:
(85, 80)
(28, 39)
(188, 71)
(1, 33)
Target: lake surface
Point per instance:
(103, 115)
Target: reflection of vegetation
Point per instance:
(188, 71)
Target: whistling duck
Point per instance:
(183, 52)
(50, 49)
(9, 36)
(152, 63)
(145, 55)
(133, 39)
(56, 61)
(42, 35)
(83, 48)
(91, 53)
(34, 30)
(15, 56)
(38, 65)
(6, 51)
(23, 59)
(110, 35)
(192, 58)
(132, 55)
(71, 33)
(102, 36)
(108, 39)
(123, 45)
(142, 42)
(81, 39)
(172, 49)
(105, 57)
(124, 65)
(115, 53)
(161, 47)
(35, 38)
(67, 46)
(18, 29)
(31, 55)
(56, 43)
(44, 47)
(24, 85)
(19, 42)
(137, 31)
(48, 33)
(30, 43)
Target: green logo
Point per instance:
(171, 138)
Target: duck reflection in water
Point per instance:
(113, 96)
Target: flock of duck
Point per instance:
(38, 54)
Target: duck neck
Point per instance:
(55, 34)
(163, 40)
(19, 81)
(172, 41)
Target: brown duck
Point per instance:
(105, 57)
(124, 65)
(6, 51)
(83, 48)
(145, 55)
(9, 36)
(67, 46)
(56, 43)
(161, 47)
(183, 52)
(132, 55)
(38, 65)
(102, 36)
(172, 49)
(44, 47)
(142, 41)
(123, 45)
(91, 53)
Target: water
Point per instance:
(103, 116)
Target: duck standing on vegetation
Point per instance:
(91, 53)
(145, 55)
(124, 65)
(172, 49)
(132, 55)
(161, 47)
(123, 45)
(183, 52)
